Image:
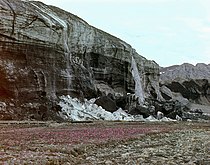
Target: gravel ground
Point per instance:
(180, 147)
(105, 143)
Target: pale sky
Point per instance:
(167, 31)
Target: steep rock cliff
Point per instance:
(46, 52)
(192, 82)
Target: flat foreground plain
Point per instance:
(28, 142)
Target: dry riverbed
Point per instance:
(105, 143)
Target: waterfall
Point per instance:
(51, 18)
(67, 52)
(138, 82)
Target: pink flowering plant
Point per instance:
(29, 143)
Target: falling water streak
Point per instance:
(66, 47)
(138, 82)
(67, 53)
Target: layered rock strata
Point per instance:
(192, 82)
(46, 52)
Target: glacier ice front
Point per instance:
(74, 110)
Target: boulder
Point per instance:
(160, 115)
(166, 93)
(107, 103)
(140, 110)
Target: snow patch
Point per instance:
(153, 119)
(162, 72)
(122, 115)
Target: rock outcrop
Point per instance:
(192, 82)
(46, 52)
(190, 85)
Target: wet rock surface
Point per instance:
(46, 52)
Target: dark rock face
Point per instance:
(107, 103)
(46, 52)
(189, 85)
(192, 82)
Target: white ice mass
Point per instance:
(74, 110)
